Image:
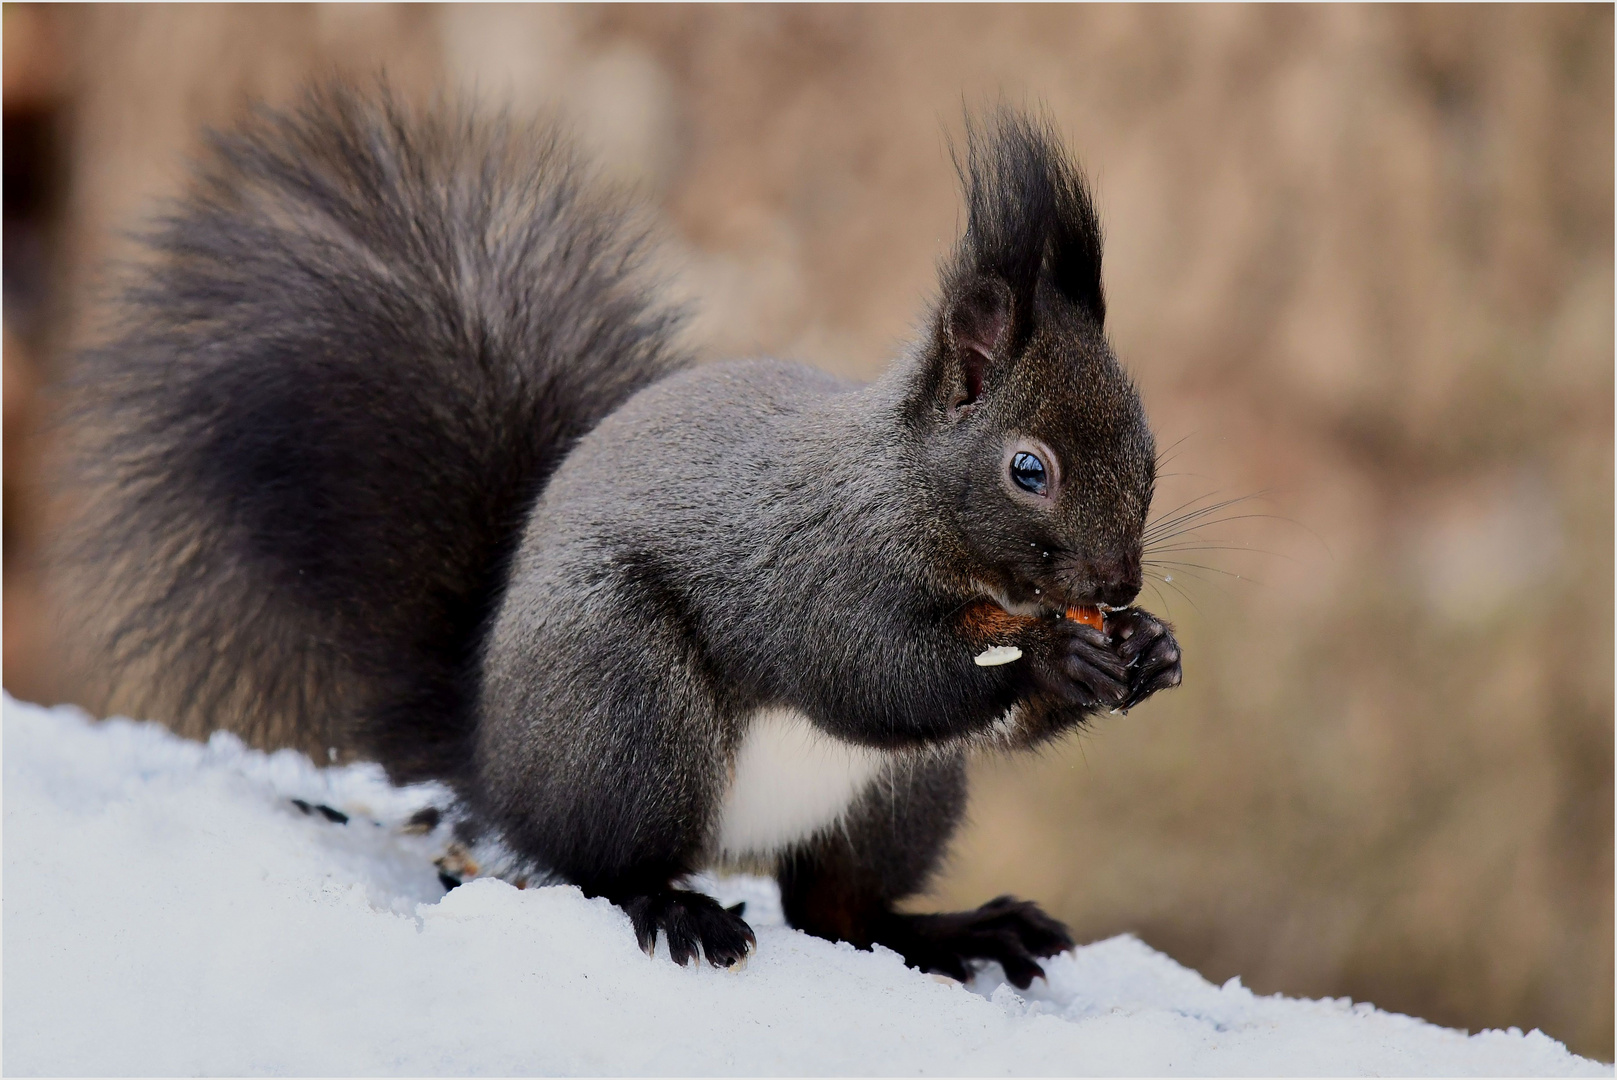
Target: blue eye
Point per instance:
(1028, 472)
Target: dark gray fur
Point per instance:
(397, 455)
(361, 343)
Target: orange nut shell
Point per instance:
(1089, 616)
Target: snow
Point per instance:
(169, 910)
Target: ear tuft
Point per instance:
(1031, 237)
(1031, 216)
(980, 318)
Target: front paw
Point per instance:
(1014, 933)
(690, 921)
(1146, 644)
(1082, 667)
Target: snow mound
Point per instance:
(169, 909)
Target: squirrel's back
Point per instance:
(362, 342)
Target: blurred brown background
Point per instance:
(1359, 259)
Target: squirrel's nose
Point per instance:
(1119, 593)
(1111, 580)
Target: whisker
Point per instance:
(1190, 570)
(1193, 573)
(1191, 522)
(1188, 502)
(1187, 528)
(1201, 582)
(1199, 566)
(1156, 528)
(1168, 518)
(1215, 493)
(1154, 550)
(1162, 457)
(1190, 529)
(1181, 592)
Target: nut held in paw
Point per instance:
(1089, 616)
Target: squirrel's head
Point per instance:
(1036, 444)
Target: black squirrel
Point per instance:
(394, 451)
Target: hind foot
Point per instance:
(1013, 932)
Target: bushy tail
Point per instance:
(364, 340)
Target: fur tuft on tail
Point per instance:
(362, 342)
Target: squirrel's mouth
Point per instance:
(1044, 606)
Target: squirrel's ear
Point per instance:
(977, 338)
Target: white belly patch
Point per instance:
(791, 779)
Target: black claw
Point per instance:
(1020, 968)
(681, 933)
(643, 919)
